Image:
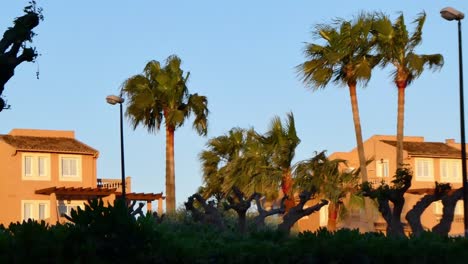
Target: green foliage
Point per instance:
(397, 46)
(129, 240)
(400, 183)
(346, 55)
(248, 160)
(161, 93)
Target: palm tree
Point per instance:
(344, 59)
(280, 142)
(252, 162)
(396, 45)
(161, 93)
(238, 160)
(328, 179)
(217, 160)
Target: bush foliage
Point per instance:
(101, 234)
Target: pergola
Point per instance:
(110, 194)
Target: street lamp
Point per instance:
(114, 99)
(450, 14)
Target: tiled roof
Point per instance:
(48, 144)
(428, 149)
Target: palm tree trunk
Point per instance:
(170, 170)
(361, 154)
(332, 216)
(357, 129)
(400, 122)
(286, 186)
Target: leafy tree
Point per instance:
(236, 160)
(280, 142)
(329, 180)
(13, 45)
(252, 162)
(218, 158)
(397, 47)
(346, 59)
(161, 93)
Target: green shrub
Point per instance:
(109, 234)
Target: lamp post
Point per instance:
(114, 99)
(450, 14)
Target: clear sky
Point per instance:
(241, 54)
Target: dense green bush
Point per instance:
(101, 234)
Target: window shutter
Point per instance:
(42, 166)
(73, 171)
(27, 211)
(27, 166)
(42, 211)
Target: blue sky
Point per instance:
(241, 55)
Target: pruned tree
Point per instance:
(259, 220)
(414, 215)
(385, 194)
(210, 214)
(298, 211)
(13, 45)
(158, 219)
(138, 210)
(237, 202)
(449, 202)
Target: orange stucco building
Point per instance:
(429, 161)
(46, 173)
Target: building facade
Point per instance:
(430, 162)
(47, 173)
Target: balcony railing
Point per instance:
(378, 180)
(114, 183)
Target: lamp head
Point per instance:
(114, 99)
(450, 13)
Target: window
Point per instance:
(36, 166)
(424, 169)
(65, 207)
(382, 168)
(450, 170)
(70, 168)
(324, 215)
(37, 210)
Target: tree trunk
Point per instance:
(414, 215)
(333, 209)
(296, 213)
(357, 129)
(259, 220)
(449, 202)
(400, 122)
(360, 149)
(396, 227)
(170, 170)
(286, 186)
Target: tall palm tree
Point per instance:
(161, 93)
(328, 179)
(396, 45)
(280, 142)
(346, 59)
